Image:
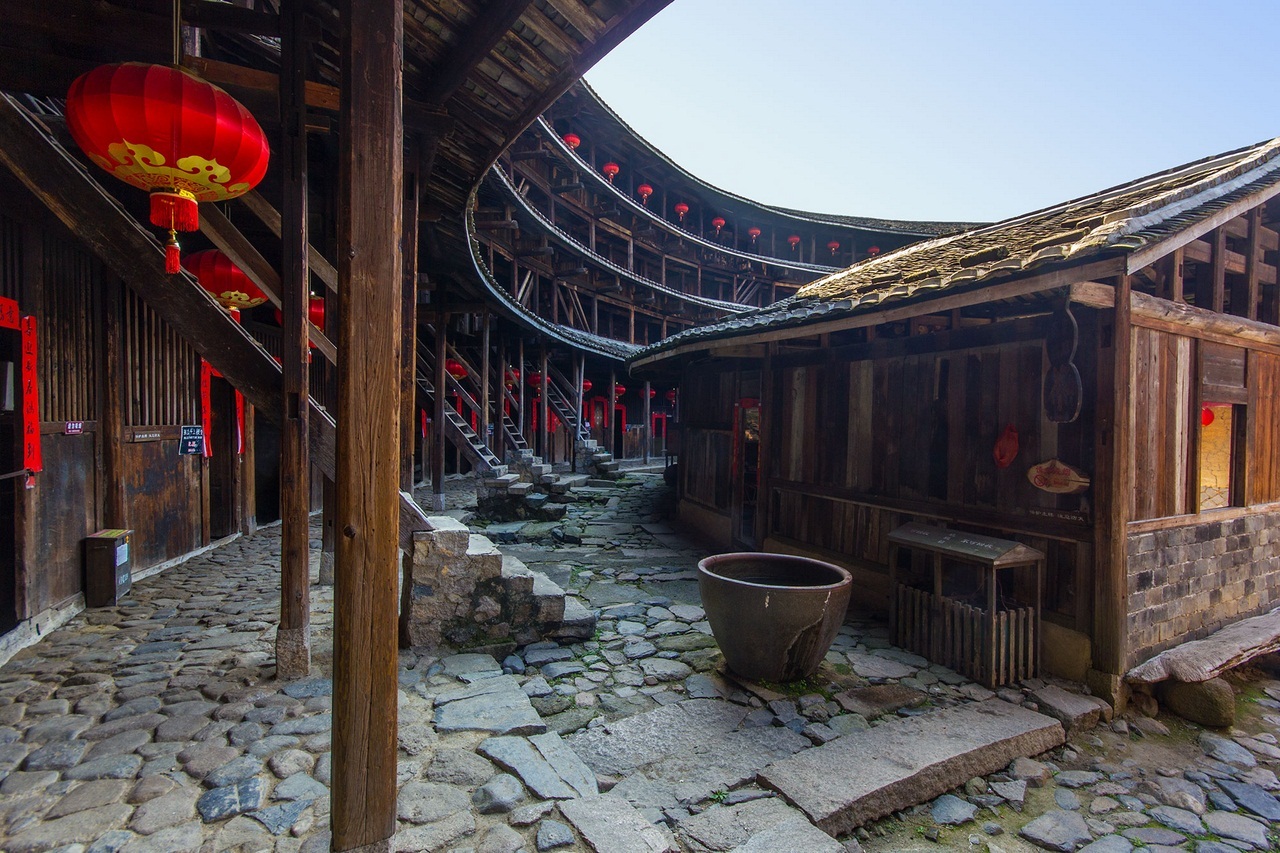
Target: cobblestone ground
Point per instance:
(158, 725)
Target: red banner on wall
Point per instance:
(9, 317)
(206, 409)
(31, 458)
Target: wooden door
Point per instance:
(746, 471)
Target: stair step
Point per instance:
(519, 489)
(601, 457)
(906, 762)
(502, 481)
(608, 467)
(563, 484)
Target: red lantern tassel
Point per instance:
(175, 210)
(172, 254)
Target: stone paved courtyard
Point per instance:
(158, 726)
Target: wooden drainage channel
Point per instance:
(991, 646)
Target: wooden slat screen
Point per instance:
(162, 373)
(68, 333)
(1264, 435)
(10, 257)
(1162, 392)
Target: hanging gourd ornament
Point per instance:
(644, 191)
(224, 281)
(610, 170)
(164, 130)
(1006, 449)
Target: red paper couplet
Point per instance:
(206, 408)
(31, 458)
(9, 317)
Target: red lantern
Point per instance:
(619, 390)
(681, 209)
(455, 368)
(754, 234)
(794, 240)
(535, 380)
(645, 191)
(671, 396)
(1006, 448)
(225, 281)
(572, 140)
(512, 379)
(1206, 416)
(717, 224)
(586, 385)
(873, 251)
(164, 130)
(610, 170)
(834, 246)
(653, 392)
(315, 313)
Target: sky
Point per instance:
(968, 110)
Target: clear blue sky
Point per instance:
(944, 110)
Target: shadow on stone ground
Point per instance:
(158, 725)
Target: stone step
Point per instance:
(547, 479)
(766, 825)
(603, 456)
(608, 467)
(907, 762)
(539, 470)
(562, 484)
(579, 623)
(519, 489)
(502, 481)
(609, 824)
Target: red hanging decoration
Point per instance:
(754, 233)
(681, 209)
(224, 281)
(610, 170)
(1006, 448)
(1206, 416)
(315, 313)
(873, 251)
(671, 396)
(164, 130)
(794, 240)
(717, 224)
(586, 385)
(834, 246)
(653, 392)
(455, 368)
(644, 191)
(572, 140)
(511, 380)
(535, 380)
(619, 390)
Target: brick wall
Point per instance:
(1186, 582)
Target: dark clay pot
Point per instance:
(773, 615)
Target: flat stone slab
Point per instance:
(545, 764)
(874, 666)
(504, 712)
(1077, 713)
(879, 699)
(768, 821)
(620, 747)
(906, 762)
(609, 824)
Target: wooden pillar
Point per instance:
(408, 316)
(437, 416)
(609, 415)
(544, 428)
(293, 637)
(648, 426)
(521, 385)
(1114, 487)
(368, 437)
(580, 375)
(111, 428)
(1218, 268)
(1252, 261)
(484, 383)
(328, 506)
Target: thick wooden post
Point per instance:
(1114, 487)
(484, 384)
(612, 413)
(293, 637)
(368, 438)
(579, 377)
(437, 416)
(408, 320)
(647, 427)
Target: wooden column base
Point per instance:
(293, 653)
(383, 846)
(436, 502)
(326, 569)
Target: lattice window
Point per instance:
(161, 372)
(67, 333)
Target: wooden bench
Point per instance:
(1201, 660)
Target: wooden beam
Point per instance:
(1148, 255)
(319, 95)
(293, 636)
(486, 31)
(1218, 279)
(370, 274)
(1252, 263)
(225, 16)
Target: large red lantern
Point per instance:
(873, 251)
(610, 170)
(681, 209)
(535, 380)
(834, 246)
(717, 224)
(164, 130)
(224, 281)
(644, 190)
(754, 233)
(572, 140)
(671, 396)
(512, 379)
(455, 368)
(586, 385)
(619, 390)
(794, 240)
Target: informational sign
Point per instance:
(146, 435)
(191, 441)
(73, 428)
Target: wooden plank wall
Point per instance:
(1264, 427)
(1162, 383)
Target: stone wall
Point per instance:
(1186, 582)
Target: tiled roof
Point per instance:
(1115, 221)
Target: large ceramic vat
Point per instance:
(773, 615)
